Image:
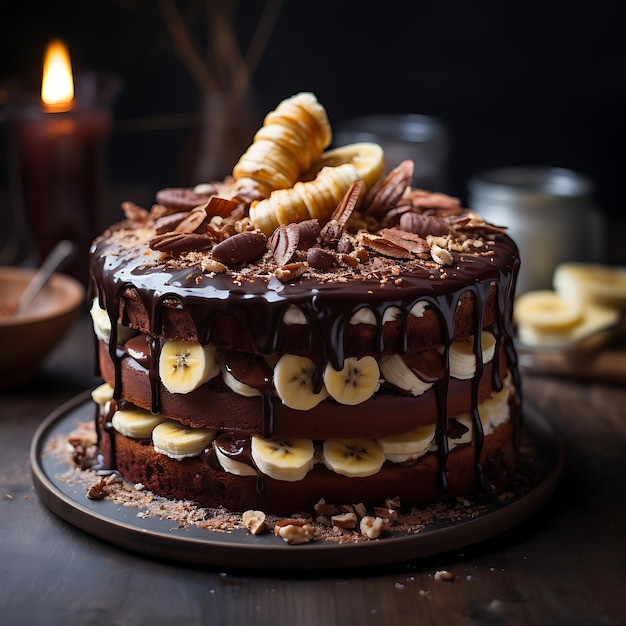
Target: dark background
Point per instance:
(517, 83)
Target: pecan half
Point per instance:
(384, 246)
(345, 208)
(167, 223)
(178, 243)
(309, 233)
(386, 192)
(409, 241)
(331, 233)
(180, 199)
(423, 224)
(193, 222)
(423, 201)
(479, 227)
(283, 243)
(241, 248)
(135, 213)
(321, 259)
(221, 207)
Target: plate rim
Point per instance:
(311, 556)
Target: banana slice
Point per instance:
(395, 371)
(546, 311)
(595, 319)
(102, 325)
(179, 442)
(408, 446)
(136, 423)
(293, 381)
(228, 463)
(353, 457)
(102, 394)
(591, 283)
(465, 419)
(241, 389)
(368, 159)
(495, 410)
(100, 321)
(288, 459)
(356, 382)
(463, 359)
(185, 366)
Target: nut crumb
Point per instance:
(444, 575)
(294, 531)
(344, 520)
(96, 491)
(8, 496)
(371, 527)
(254, 521)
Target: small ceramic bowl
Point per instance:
(27, 339)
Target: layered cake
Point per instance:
(311, 329)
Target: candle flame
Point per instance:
(57, 86)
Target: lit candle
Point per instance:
(59, 145)
(57, 83)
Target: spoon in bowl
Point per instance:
(58, 255)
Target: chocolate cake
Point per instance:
(310, 329)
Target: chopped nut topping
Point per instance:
(441, 256)
(290, 272)
(211, 265)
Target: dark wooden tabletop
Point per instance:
(566, 565)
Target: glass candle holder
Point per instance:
(58, 165)
(548, 211)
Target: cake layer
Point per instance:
(214, 405)
(231, 330)
(201, 479)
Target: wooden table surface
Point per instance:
(566, 565)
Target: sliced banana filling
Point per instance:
(297, 380)
(294, 316)
(291, 458)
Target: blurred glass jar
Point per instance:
(548, 211)
(407, 136)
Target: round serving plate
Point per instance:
(541, 466)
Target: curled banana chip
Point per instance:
(292, 138)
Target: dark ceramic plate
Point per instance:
(163, 538)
